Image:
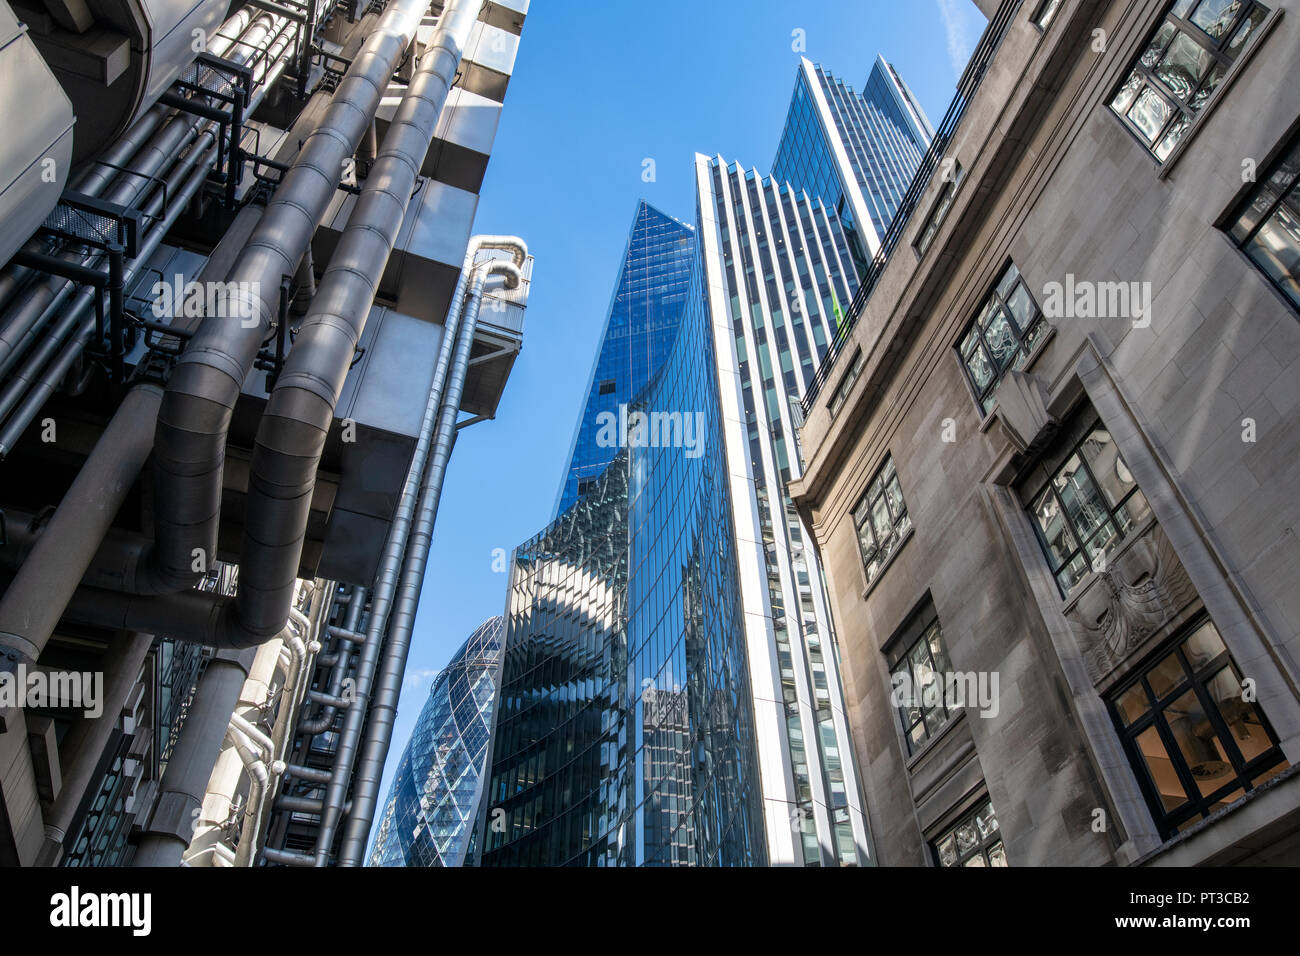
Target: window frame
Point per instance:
(939, 210)
(1059, 459)
(898, 656)
(983, 845)
(1026, 344)
(1287, 151)
(900, 532)
(1149, 80)
(1245, 773)
(1045, 13)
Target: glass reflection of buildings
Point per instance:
(433, 803)
(624, 735)
(856, 151)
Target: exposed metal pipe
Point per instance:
(383, 711)
(322, 721)
(190, 439)
(29, 613)
(395, 549)
(295, 425)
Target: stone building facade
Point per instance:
(1052, 465)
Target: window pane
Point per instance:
(1172, 137)
(1276, 250)
(1203, 646)
(1007, 281)
(1165, 676)
(1021, 306)
(1242, 717)
(1102, 455)
(1160, 769)
(1124, 98)
(1150, 112)
(981, 370)
(1158, 44)
(948, 851)
(1083, 504)
(1216, 16)
(1183, 65)
(1001, 339)
(997, 855)
(1132, 704)
(1060, 542)
(1198, 742)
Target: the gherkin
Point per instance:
(428, 819)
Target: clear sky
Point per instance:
(599, 87)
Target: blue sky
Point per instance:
(598, 88)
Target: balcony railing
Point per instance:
(966, 87)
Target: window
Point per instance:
(1001, 336)
(919, 673)
(881, 519)
(1045, 13)
(1082, 504)
(607, 387)
(1184, 62)
(974, 841)
(940, 210)
(1267, 227)
(1194, 740)
(841, 394)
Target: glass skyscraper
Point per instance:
(777, 266)
(857, 151)
(432, 805)
(624, 734)
(644, 313)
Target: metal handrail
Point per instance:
(966, 87)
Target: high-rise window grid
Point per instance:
(1196, 737)
(1181, 66)
(1267, 226)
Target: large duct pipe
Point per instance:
(31, 607)
(190, 439)
(395, 547)
(293, 429)
(34, 601)
(379, 733)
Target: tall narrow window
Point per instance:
(951, 180)
(919, 671)
(974, 841)
(881, 519)
(1267, 226)
(1046, 13)
(1002, 335)
(1182, 65)
(1195, 739)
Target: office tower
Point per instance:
(1053, 466)
(433, 803)
(234, 243)
(624, 735)
(777, 268)
(856, 151)
(646, 308)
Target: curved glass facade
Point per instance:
(624, 735)
(429, 817)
